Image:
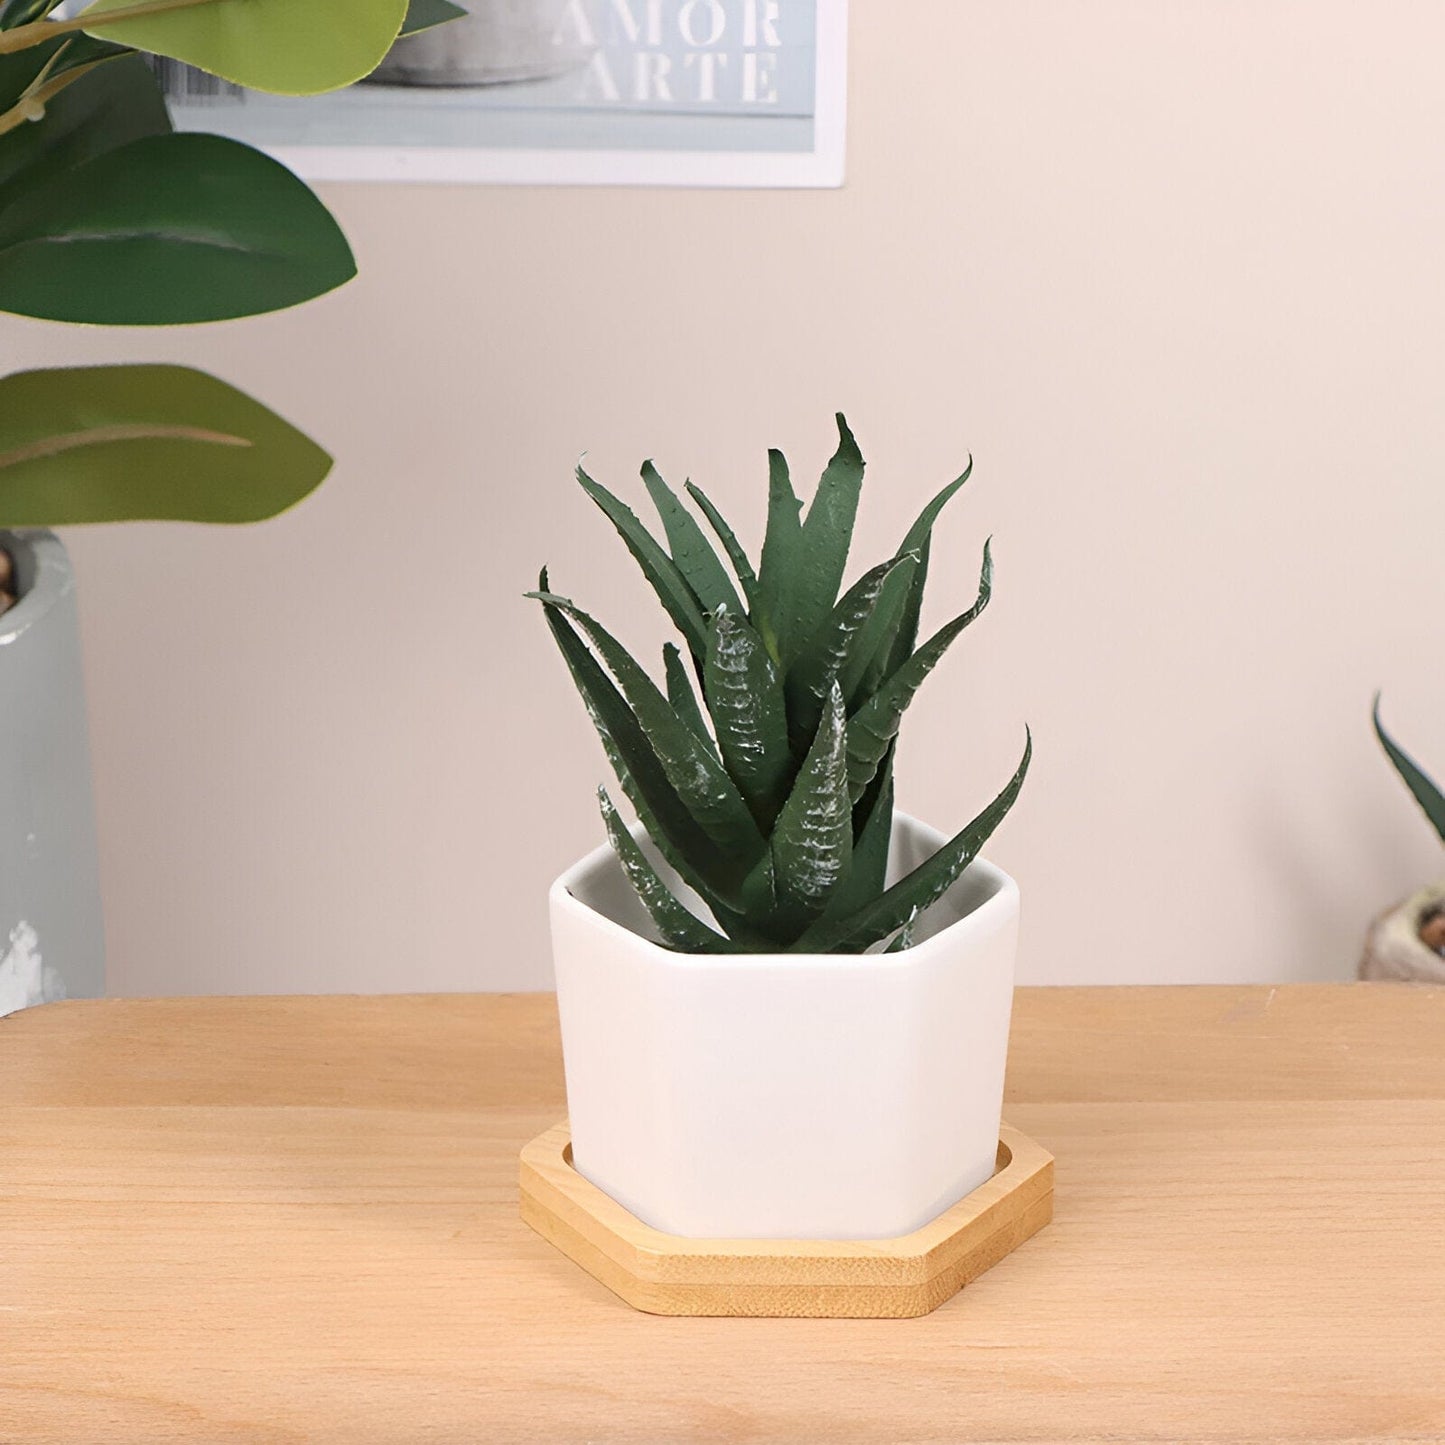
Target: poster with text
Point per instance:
(627, 92)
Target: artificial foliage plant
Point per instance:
(109, 216)
(762, 771)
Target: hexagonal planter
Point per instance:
(785, 1096)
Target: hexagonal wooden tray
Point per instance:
(665, 1274)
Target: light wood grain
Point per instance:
(791, 1279)
(291, 1220)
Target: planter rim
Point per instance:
(1003, 899)
(45, 574)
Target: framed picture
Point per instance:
(569, 92)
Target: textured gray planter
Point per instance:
(500, 41)
(51, 943)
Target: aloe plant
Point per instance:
(1422, 789)
(762, 767)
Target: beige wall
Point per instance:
(1172, 271)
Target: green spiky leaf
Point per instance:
(892, 631)
(873, 837)
(824, 659)
(691, 550)
(874, 726)
(663, 813)
(659, 569)
(812, 844)
(742, 567)
(1422, 789)
(921, 888)
(782, 542)
(679, 928)
(814, 560)
(745, 698)
(681, 695)
(700, 780)
(904, 937)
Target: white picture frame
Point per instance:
(821, 166)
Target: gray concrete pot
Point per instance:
(499, 41)
(51, 941)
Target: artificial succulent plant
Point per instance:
(762, 770)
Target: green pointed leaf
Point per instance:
(745, 698)
(702, 783)
(904, 937)
(815, 570)
(1422, 789)
(106, 108)
(427, 15)
(167, 229)
(121, 443)
(874, 726)
(919, 889)
(812, 843)
(663, 813)
(679, 928)
(905, 639)
(681, 695)
(288, 47)
(822, 661)
(659, 569)
(747, 578)
(892, 631)
(873, 836)
(781, 543)
(691, 550)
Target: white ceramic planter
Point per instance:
(781, 1096)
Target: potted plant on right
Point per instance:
(784, 1004)
(1407, 941)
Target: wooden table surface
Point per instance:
(295, 1219)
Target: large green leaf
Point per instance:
(873, 727)
(745, 698)
(167, 229)
(812, 842)
(691, 550)
(1422, 789)
(107, 107)
(659, 569)
(701, 781)
(289, 47)
(921, 888)
(120, 443)
(678, 927)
